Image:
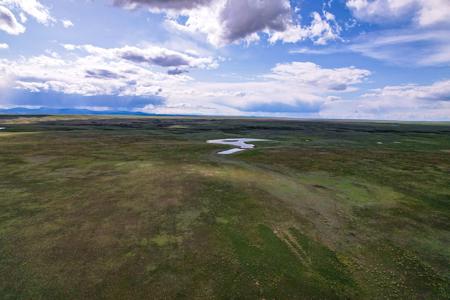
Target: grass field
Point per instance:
(133, 208)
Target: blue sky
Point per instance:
(370, 59)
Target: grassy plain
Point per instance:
(133, 207)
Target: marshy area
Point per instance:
(139, 207)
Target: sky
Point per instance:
(339, 59)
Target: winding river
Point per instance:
(242, 144)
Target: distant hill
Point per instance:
(65, 111)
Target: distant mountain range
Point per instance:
(65, 111)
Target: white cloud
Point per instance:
(151, 55)
(422, 12)
(4, 46)
(308, 73)
(321, 30)
(85, 76)
(32, 8)
(224, 22)
(9, 23)
(324, 29)
(403, 102)
(292, 34)
(23, 18)
(438, 91)
(67, 23)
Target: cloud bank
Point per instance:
(96, 73)
(108, 78)
(401, 102)
(150, 55)
(93, 71)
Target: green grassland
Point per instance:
(143, 208)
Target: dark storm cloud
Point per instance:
(240, 18)
(236, 19)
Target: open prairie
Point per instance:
(143, 207)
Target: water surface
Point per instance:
(241, 143)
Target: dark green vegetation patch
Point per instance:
(132, 208)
